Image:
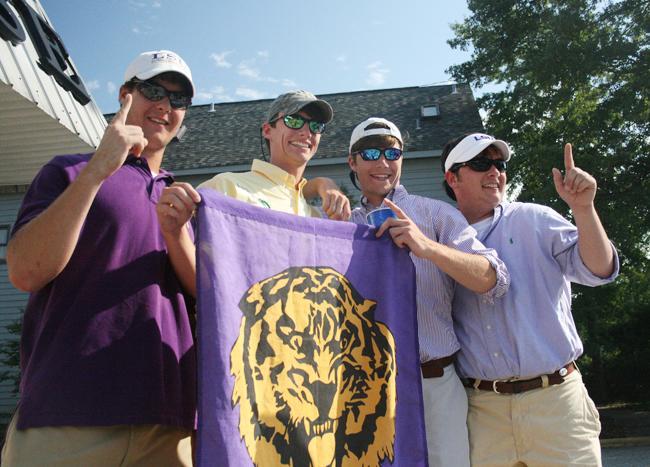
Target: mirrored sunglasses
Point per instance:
(156, 92)
(296, 122)
(373, 154)
(481, 164)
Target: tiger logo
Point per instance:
(315, 374)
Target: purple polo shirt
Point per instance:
(108, 341)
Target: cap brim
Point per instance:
(503, 148)
(158, 71)
(464, 152)
(319, 110)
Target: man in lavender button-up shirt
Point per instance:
(527, 402)
(445, 251)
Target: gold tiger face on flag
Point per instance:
(315, 374)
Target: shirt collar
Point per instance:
(277, 175)
(143, 164)
(396, 195)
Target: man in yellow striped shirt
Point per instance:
(292, 132)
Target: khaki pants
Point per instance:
(553, 426)
(120, 445)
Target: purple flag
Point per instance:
(307, 341)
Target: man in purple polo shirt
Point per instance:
(107, 355)
(445, 253)
(527, 402)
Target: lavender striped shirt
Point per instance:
(445, 224)
(530, 330)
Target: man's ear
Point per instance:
(352, 162)
(266, 129)
(451, 178)
(123, 92)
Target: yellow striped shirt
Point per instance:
(265, 185)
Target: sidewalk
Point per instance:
(624, 426)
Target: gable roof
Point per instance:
(228, 134)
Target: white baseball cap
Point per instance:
(361, 131)
(150, 64)
(472, 145)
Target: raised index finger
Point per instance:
(568, 157)
(396, 210)
(120, 115)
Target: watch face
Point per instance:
(563, 371)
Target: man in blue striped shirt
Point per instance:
(445, 252)
(527, 402)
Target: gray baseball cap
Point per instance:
(295, 101)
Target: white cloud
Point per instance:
(376, 74)
(93, 85)
(263, 53)
(216, 94)
(156, 4)
(111, 87)
(288, 83)
(220, 59)
(341, 58)
(247, 69)
(249, 93)
(135, 29)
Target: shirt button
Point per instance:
(488, 327)
(496, 354)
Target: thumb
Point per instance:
(558, 181)
(120, 115)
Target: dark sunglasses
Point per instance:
(296, 122)
(373, 154)
(481, 164)
(156, 92)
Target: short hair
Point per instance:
(375, 140)
(451, 144)
(169, 76)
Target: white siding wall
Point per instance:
(12, 303)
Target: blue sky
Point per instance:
(247, 49)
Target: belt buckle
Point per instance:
(494, 385)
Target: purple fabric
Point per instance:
(108, 341)
(260, 357)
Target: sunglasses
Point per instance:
(155, 93)
(296, 122)
(373, 154)
(481, 164)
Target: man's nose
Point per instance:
(164, 104)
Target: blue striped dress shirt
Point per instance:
(445, 224)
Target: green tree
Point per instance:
(578, 71)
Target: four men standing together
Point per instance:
(107, 353)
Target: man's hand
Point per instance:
(118, 141)
(335, 204)
(176, 206)
(577, 188)
(405, 233)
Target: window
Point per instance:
(4, 239)
(430, 110)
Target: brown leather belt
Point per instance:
(516, 387)
(436, 368)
